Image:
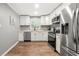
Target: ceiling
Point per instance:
(30, 9)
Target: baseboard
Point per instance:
(10, 48)
(39, 40)
(57, 52)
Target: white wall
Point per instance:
(8, 33)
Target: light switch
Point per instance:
(0, 25)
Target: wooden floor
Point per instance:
(32, 49)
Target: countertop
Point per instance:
(35, 31)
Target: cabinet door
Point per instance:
(39, 36)
(48, 20)
(45, 36)
(43, 21)
(58, 43)
(36, 36)
(33, 36)
(21, 36)
(22, 20)
(28, 20)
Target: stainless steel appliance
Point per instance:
(70, 34)
(75, 32)
(27, 36)
(52, 39)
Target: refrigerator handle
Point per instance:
(73, 17)
(75, 27)
(77, 11)
(73, 23)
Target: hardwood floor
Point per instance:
(32, 49)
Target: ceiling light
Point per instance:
(35, 12)
(37, 5)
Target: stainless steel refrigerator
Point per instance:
(70, 33)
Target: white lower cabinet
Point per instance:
(21, 38)
(44, 36)
(39, 36)
(35, 36)
(58, 40)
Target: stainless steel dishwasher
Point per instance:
(27, 36)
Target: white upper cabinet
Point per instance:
(45, 20)
(24, 20)
(48, 20)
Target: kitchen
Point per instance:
(39, 29)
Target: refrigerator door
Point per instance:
(77, 31)
(72, 30)
(72, 35)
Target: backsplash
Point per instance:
(24, 27)
(42, 27)
(45, 27)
